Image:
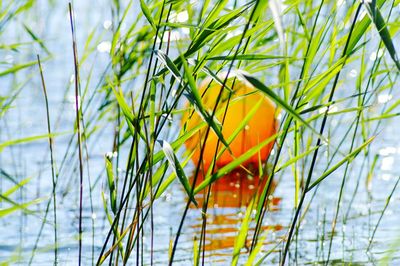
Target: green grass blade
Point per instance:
(15, 188)
(111, 184)
(195, 98)
(380, 24)
(29, 139)
(234, 164)
(178, 170)
(240, 240)
(279, 101)
(16, 68)
(347, 158)
(147, 13)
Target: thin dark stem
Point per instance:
(53, 171)
(78, 127)
(371, 239)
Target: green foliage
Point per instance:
(313, 59)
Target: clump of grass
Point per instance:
(296, 54)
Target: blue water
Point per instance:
(19, 231)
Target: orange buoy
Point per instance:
(234, 190)
(244, 100)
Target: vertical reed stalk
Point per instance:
(53, 174)
(78, 126)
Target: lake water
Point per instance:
(19, 231)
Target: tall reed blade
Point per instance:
(78, 105)
(52, 162)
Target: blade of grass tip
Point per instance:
(78, 127)
(5, 198)
(52, 162)
(196, 255)
(16, 68)
(163, 57)
(177, 168)
(347, 158)
(380, 24)
(256, 250)
(131, 119)
(260, 262)
(249, 57)
(279, 101)
(7, 176)
(210, 73)
(177, 143)
(18, 207)
(368, 180)
(111, 184)
(36, 38)
(164, 185)
(240, 240)
(276, 11)
(19, 185)
(359, 29)
(295, 159)
(147, 13)
(28, 139)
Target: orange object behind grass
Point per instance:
(226, 200)
(261, 126)
(234, 190)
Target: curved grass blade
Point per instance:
(15, 188)
(28, 139)
(147, 14)
(234, 164)
(380, 24)
(16, 68)
(177, 168)
(240, 240)
(256, 250)
(111, 184)
(163, 57)
(359, 29)
(250, 57)
(36, 38)
(347, 158)
(260, 86)
(17, 207)
(195, 98)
